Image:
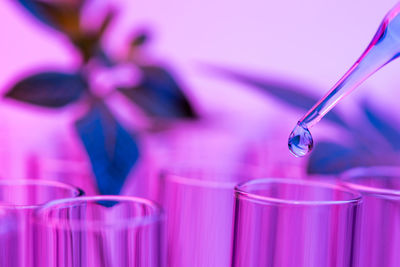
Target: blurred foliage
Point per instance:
(159, 95)
(112, 150)
(49, 89)
(373, 138)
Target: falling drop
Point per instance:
(300, 141)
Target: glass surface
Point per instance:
(99, 231)
(293, 223)
(8, 241)
(19, 199)
(30, 194)
(384, 47)
(198, 202)
(379, 241)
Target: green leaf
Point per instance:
(383, 124)
(89, 43)
(49, 89)
(64, 16)
(113, 151)
(333, 158)
(111, 14)
(60, 15)
(159, 95)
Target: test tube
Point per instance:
(198, 202)
(19, 199)
(293, 223)
(379, 241)
(95, 231)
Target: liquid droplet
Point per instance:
(300, 141)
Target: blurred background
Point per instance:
(243, 73)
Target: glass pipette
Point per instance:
(384, 47)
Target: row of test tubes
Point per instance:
(207, 219)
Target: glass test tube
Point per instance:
(293, 223)
(99, 231)
(198, 203)
(379, 241)
(20, 199)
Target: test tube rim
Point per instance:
(371, 171)
(41, 182)
(154, 217)
(265, 200)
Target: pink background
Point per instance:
(311, 42)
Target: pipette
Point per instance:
(384, 47)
